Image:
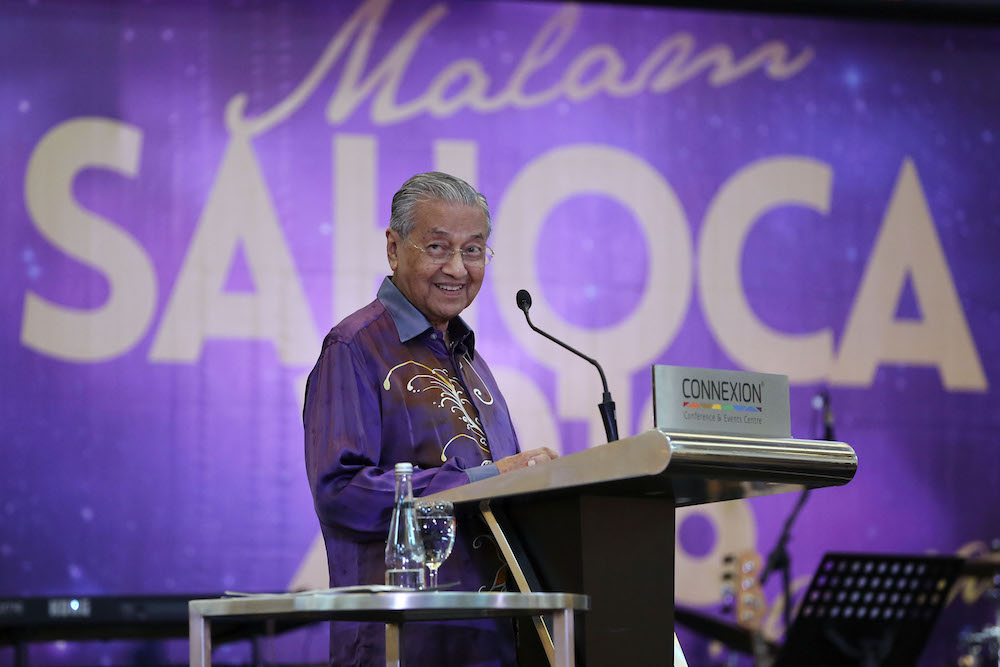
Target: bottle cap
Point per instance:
(404, 467)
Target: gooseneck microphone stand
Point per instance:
(606, 406)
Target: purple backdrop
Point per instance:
(193, 193)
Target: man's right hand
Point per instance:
(525, 459)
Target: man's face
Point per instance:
(439, 291)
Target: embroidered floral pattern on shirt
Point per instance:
(488, 399)
(452, 399)
(499, 583)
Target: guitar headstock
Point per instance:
(742, 593)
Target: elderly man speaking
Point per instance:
(401, 381)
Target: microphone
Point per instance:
(606, 406)
(524, 301)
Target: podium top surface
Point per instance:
(691, 468)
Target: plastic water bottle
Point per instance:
(404, 550)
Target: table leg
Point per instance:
(393, 645)
(199, 639)
(20, 654)
(562, 638)
(255, 652)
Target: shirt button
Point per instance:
(434, 336)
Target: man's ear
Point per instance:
(392, 248)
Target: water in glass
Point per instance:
(437, 529)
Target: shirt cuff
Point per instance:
(482, 472)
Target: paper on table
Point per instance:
(373, 588)
(362, 588)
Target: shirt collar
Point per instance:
(410, 322)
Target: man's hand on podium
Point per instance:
(525, 459)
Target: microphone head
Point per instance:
(523, 300)
(827, 417)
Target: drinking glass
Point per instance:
(436, 520)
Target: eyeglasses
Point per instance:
(474, 254)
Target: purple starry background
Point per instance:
(132, 476)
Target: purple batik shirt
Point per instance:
(386, 389)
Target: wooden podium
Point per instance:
(601, 523)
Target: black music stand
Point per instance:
(869, 610)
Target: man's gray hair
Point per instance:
(433, 186)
